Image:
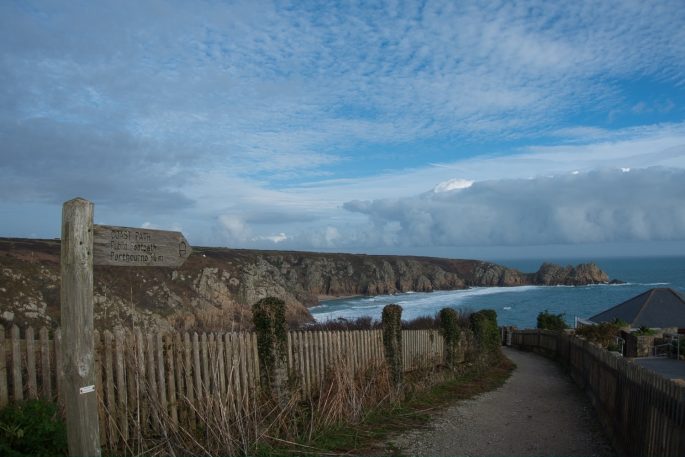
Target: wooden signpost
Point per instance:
(85, 244)
(132, 247)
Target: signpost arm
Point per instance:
(76, 298)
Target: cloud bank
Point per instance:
(594, 207)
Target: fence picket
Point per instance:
(255, 358)
(31, 363)
(178, 411)
(188, 372)
(4, 395)
(299, 360)
(17, 382)
(319, 357)
(161, 377)
(245, 398)
(206, 380)
(121, 389)
(142, 388)
(59, 368)
(152, 382)
(97, 344)
(197, 374)
(220, 366)
(306, 359)
(232, 374)
(235, 372)
(45, 371)
(110, 406)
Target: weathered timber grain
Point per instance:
(45, 372)
(76, 298)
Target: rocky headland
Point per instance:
(216, 287)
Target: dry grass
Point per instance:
(209, 418)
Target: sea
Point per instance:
(519, 306)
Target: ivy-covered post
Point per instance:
(486, 332)
(449, 328)
(268, 315)
(392, 340)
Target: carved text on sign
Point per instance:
(125, 246)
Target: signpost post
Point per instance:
(85, 244)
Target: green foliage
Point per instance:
(603, 334)
(484, 327)
(644, 331)
(268, 315)
(621, 323)
(392, 340)
(549, 321)
(32, 428)
(449, 328)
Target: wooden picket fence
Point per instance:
(145, 380)
(642, 412)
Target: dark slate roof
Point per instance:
(657, 308)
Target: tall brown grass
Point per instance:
(213, 421)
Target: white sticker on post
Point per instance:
(87, 389)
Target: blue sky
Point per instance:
(484, 129)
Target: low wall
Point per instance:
(642, 413)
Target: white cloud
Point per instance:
(452, 184)
(278, 238)
(234, 228)
(600, 206)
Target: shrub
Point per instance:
(484, 327)
(32, 428)
(421, 323)
(549, 321)
(603, 334)
(644, 331)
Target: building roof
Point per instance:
(661, 307)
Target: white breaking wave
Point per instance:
(414, 304)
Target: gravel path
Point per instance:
(538, 411)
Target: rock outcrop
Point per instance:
(216, 287)
(587, 273)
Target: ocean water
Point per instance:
(520, 306)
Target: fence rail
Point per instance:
(642, 412)
(143, 380)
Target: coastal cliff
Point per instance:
(216, 287)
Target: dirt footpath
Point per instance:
(538, 411)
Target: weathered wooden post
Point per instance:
(449, 328)
(78, 357)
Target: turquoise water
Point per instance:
(520, 306)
